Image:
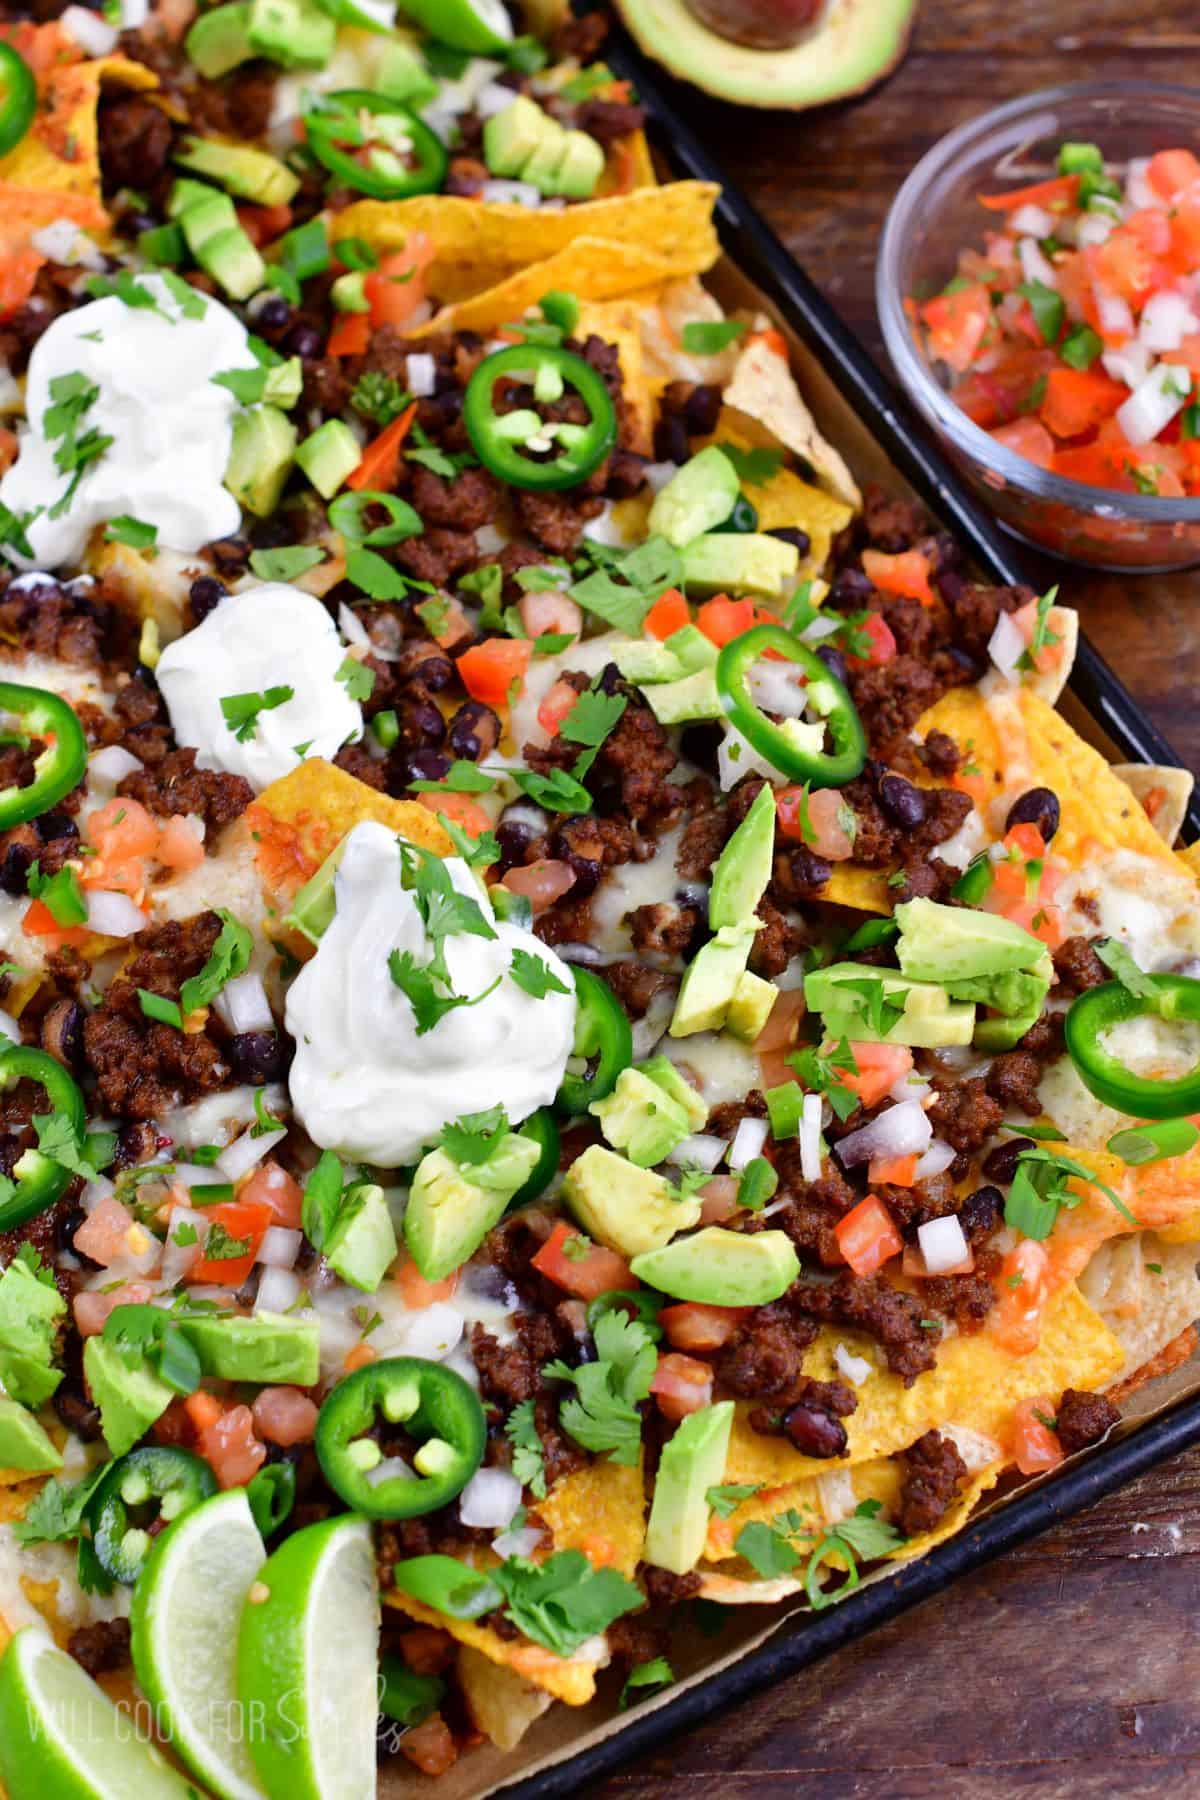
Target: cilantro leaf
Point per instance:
(821, 1075)
(657, 1673)
(472, 1138)
(287, 562)
(590, 721)
(356, 678)
(374, 575)
(726, 1498)
(240, 711)
(1039, 1191)
(418, 987)
(461, 777)
(229, 957)
(602, 1415)
(534, 975)
(756, 467)
(708, 337)
(564, 1601)
(528, 1457)
(644, 573)
(379, 397)
(322, 1199)
(766, 1550)
(56, 1511)
(477, 852)
(557, 791)
(60, 894)
(134, 532)
(1042, 634)
(864, 1535)
(221, 1246)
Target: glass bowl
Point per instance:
(935, 215)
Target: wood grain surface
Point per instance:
(1070, 1669)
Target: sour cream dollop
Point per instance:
(171, 425)
(269, 637)
(363, 1082)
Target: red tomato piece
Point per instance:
(1029, 439)
(722, 619)
(542, 883)
(1077, 400)
(229, 1444)
(1171, 170)
(1059, 194)
(905, 574)
(681, 1385)
(272, 1186)
(881, 643)
(693, 1326)
(867, 1236)
(246, 1221)
(669, 613)
(1035, 1445)
(573, 1262)
(396, 288)
(957, 324)
(418, 1293)
(489, 670)
(285, 1416)
(880, 1067)
(554, 708)
(464, 811)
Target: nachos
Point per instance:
(579, 1034)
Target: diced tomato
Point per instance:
(272, 1186)
(351, 335)
(718, 1199)
(867, 1236)
(38, 921)
(179, 846)
(1025, 840)
(1059, 194)
(429, 1746)
(573, 1262)
(1029, 439)
(976, 786)
(464, 811)
(1022, 1290)
(771, 340)
(599, 1549)
(380, 465)
(906, 574)
(1131, 262)
(245, 1220)
(396, 288)
(722, 619)
(126, 836)
(994, 396)
(91, 1307)
(416, 1292)
(231, 1448)
(669, 613)
(263, 224)
(693, 1326)
(1185, 237)
(1096, 465)
(203, 1409)
(550, 610)
(358, 1358)
(489, 670)
(1035, 1446)
(558, 703)
(104, 1235)
(1077, 400)
(957, 324)
(895, 1171)
(542, 882)
(880, 1067)
(681, 1385)
(285, 1416)
(1171, 170)
(881, 643)
(18, 278)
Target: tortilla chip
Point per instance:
(664, 312)
(1164, 793)
(502, 1705)
(544, 17)
(763, 386)
(1180, 1350)
(785, 501)
(569, 1679)
(630, 166)
(59, 155)
(1146, 1290)
(616, 321)
(1190, 858)
(865, 889)
(303, 816)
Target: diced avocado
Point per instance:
(542, 167)
(451, 1209)
(481, 26)
(679, 702)
(185, 194)
(699, 496)
(692, 648)
(232, 261)
(645, 662)
(678, 1088)
(267, 1348)
(264, 444)
(349, 292)
(1000, 1032)
(206, 215)
(362, 1244)
(640, 1119)
(847, 993)
(328, 456)
(722, 1268)
(218, 42)
(579, 167)
(629, 1210)
(315, 903)
(29, 1313)
(1016, 991)
(743, 868)
(710, 981)
(752, 1005)
(512, 136)
(954, 943)
(240, 169)
(23, 1442)
(129, 1398)
(294, 33)
(692, 1461)
(725, 563)
(284, 383)
(162, 245)
(400, 73)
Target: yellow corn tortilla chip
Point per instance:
(616, 321)
(502, 1704)
(302, 817)
(1164, 793)
(785, 501)
(630, 167)
(865, 889)
(1190, 858)
(60, 155)
(1063, 624)
(1146, 1290)
(763, 386)
(569, 1679)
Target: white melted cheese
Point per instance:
(724, 1068)
(72, 681)
(171, 425)
(1148, 1046)
(629, 886)
(364, 1082)
(1142, 901)
(275, 636)
(52, 1563)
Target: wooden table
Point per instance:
(1071, 1668)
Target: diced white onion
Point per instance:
(511, 193)
(657, 475)
(192, 1175)
(1166, 320)
(809, 1136)
(823, 626)
(1034, 265)
(278, 1290)
(1006, 646)
(899, 1131)
(243, 1005)
(352, 627)
(493, 99)
(111, 765)
(134, 14)
(1115, 314)
(856, 1369)
(1154, 402)
(392, 1468)
(773, 687)
(433, 1332)
(1094, 228)
(1130, 364)
(910, 1086)
(61, 241)
(942, 1244)
(649, 1029)
(490, 1499)
(9, 1028)
(178, 1258)
(748, 1142)
(422, 375)
(489, 540)
(114, 915)
(280, 1247)
(90, 31)
(1138, 190)
(96, 1191)
(836, 1496)
(936, 1160)
(700, 1151)
(1032, 221)
(246, 1152)
(517, 1543)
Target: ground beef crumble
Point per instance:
(934, 1472)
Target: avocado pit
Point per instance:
(759, 24)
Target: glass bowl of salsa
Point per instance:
(1038, 287)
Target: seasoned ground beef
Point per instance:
(814, 1206)
(777, 943)
(134, 138)
(635, 985)
(724, 1120)
(608, 120)
(555, 520)
(967, 1299)
(101, 1647)
(359, 762)
(964, 1112)
(510, 1373)
(1077, 967)
(43, 619)
(1013, 1081)
(701, 842)
(437, 556)
(176, 785)
(463, 504)
(1083, 1419)
(934, 1472)
(811, 1420)
(764, 1360)
(663, 927)
(885, 1313)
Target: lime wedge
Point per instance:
(185, 1611)
(307, 1664)
(61, 1736)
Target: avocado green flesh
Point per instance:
(23, 1443)
(856, 44)
(692, 1462)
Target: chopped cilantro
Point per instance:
(535, 975)
(756, 467)
(726, 1498)
(60, 894)
(156, 1006)
(657, 1673)
(708, 337)
(134, 532)
(240, 711)
(602, 1414)
(472, 1139)
(357, 679)
(528, 1457)
(287, 562)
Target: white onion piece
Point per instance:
(61, 241)
(194, 1175)
(650, 1028)
(352, 627)
(1034, 265)
(748, 1141)
(897, 1132)
(111, 765)
(856, 1369)
(134, 14)
(114, 915)
(246, 1152)
(489, 540)
(1138, 189)
(517, 1543)
(936, 1160)
(1115, 314)
(942, 1244)
(392, 1468)
(700, 1151)
(836, 1496)
(910, 1086)
(1154, 402)
(280, 1247)
(1166, 320)
(422, 374)
(657, 474)
(278, 1290)
(178, 1258)
(96, 1191)
(511, 193)
(243, 1005)
(773, 687)
(89, 31)
(1094, 228)
(977, 1450)
(809, 1137)
(1130, 364)
(1006, 647)
(490, 1499)
(493, 99)
(823, 626)
(1032, 221)
(433, 1332)
(9, 1028)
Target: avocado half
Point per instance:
(854, 44)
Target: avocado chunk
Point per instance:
(260, 456)
(452, 1207)
(692, 648)
(692, 1461)
(249, 173)
(629, 1210)
(701, 495)
(639, 1118)
(29, 1313)
(203, 213)
(681, 702)
(954, 943)
(476, 25)
(186, 193)
(1001, 1032)
(752, 1005)
(860, 1001)
(512, 136)
(710, 980)
(541, 169)
(722, 1268)
(677, 1087)
(294, 33)
(266, 1349)
(401, 74)
(233, 262)
(724, 562)
(743, 868)
(644, 663)
(23, 1442)
(847, 50)
(316, 902)
(362, 1244)
(579, 167)
(130, 1397)
(330, 454)
(218, 40)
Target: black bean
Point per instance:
(950, 585)
(53, 825)
(981, 1212)
(421, 724)
(671, 439)
(851, 589)
(474, 731)
(258, 1056)
(273, 314)
(62, 1033)
(703, 409)
(700, 744)
(611, 679)
(14, 868)
(1037, 807)
(514, 838)
(834, 661)
(427, 765)
(807, 871)
(789, 535)
(425, 663)
(902, 801)
(303, 340)
(814, 1433)
(75, 1409)
(1000, 1164)
(205, 593)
